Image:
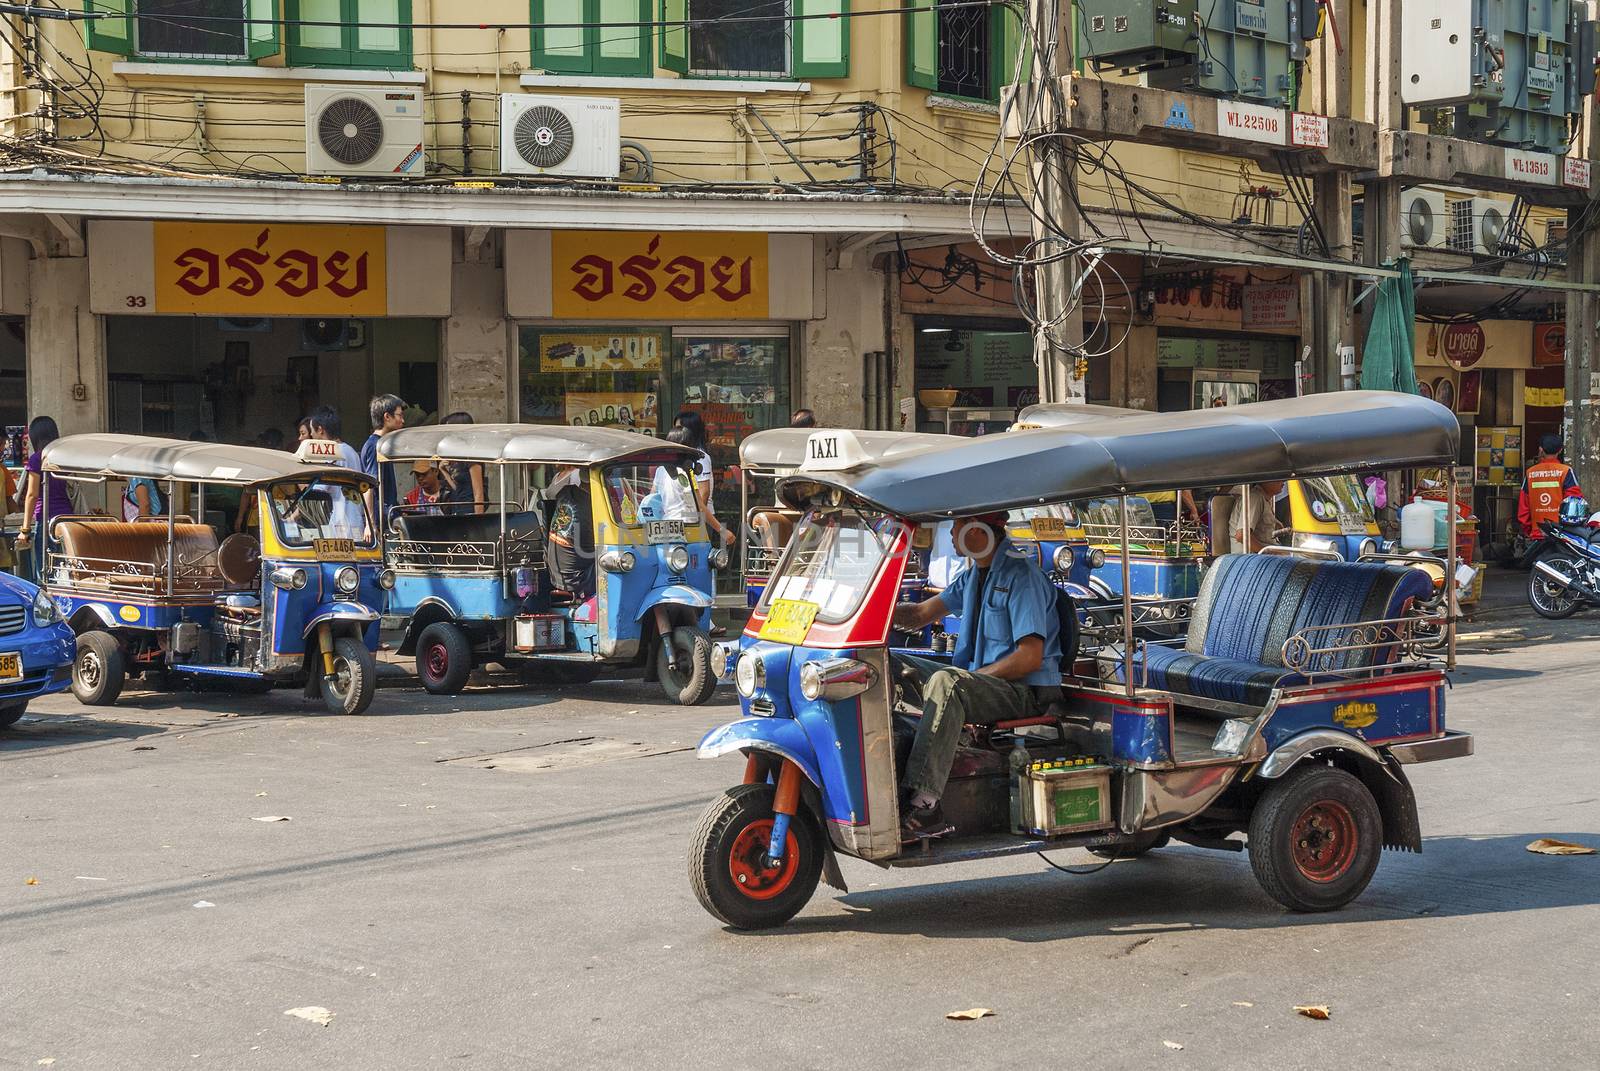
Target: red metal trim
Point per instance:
(1389, 686)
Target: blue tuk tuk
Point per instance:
(1288, 713)
(587, 554)
(161, 597)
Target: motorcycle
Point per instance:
(1565, 577)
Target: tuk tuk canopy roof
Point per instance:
(179, 459)
(1348, 431)
(1067, 414)
(545, 444)
(785, 448)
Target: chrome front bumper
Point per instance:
(1449, 746)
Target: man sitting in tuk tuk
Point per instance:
(571, 529)
(1006, 664)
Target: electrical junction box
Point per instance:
(1244, 49)
(1137, 35)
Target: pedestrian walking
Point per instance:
(388, 413)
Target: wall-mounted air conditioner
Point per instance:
(576, 136)
(1424, 223)
(364, 130)
(1477, 225)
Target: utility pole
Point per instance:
(1582, 416)
(1381, 214)
(1053, 172)
(1332, 315)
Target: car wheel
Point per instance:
(444, 658)
(694, 683)
(728, 865)
(99, 669)
(1315, 837)
(349, 689)
(11, 714)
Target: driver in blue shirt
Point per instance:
(1006, 664)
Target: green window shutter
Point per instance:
(921, 29)
(316, 46)
(821, 46)
(377, 33)
(1013, 36)
(561, 42)
(674, 38)
(111, 34)
(263, 35)
(622, 44)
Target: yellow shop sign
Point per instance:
(670, 275)
(259, 269)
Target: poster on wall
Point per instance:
(1499, 457)
(613, 352)
(631, 411)
(1469, 393)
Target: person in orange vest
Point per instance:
(1545, 485)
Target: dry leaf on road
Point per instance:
(312, 1014)
(1173, 1045)
(1551, 846)
(1243, 1004)
(1313, 1011)
(31, 881)
(969, 1014)
(271, 818)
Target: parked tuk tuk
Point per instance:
(161, 597)
(1288, 713)
(589, 554)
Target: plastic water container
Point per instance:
(1418, 524)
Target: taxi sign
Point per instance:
(834, 450)
(320, 452)
(788, 621)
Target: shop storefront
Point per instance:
(972, 374)
(228, 330)
(626, 329)
(1224, 336)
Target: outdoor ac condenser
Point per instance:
(1477, 225)
(574, 136)
(364, 130)
(1424, 223)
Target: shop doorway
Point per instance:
(231, 380)
(987, 363)
(1180, 356)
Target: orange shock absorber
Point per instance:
(784, 805)
(753, 771)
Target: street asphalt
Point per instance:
(498, 880)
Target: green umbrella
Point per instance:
(1388, 361)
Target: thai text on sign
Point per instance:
(253, 269)
(646, 275)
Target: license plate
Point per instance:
(1049, 528)
(664, 531)
(10, 668)
(1352, 524)
(334, 548)
(788, 621)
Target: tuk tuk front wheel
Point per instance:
(99, 670)
(693, 683)
(348, 690)
(1315, 837)
(444, 658)
(728, 865)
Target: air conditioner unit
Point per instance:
(364, 130)
(578, 136)
(1423, 219)
(1477, 225)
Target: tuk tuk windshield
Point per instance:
(1337, 499)
(1107, 513)
(305, 512)
(632, 484)
(831, 562)
(1061, 512)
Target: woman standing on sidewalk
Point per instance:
(36, 513)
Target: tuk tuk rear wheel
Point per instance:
(1315, 838)
(355, 677)
(727, 861)
(444, 658)
(99, 670)
(694, 684)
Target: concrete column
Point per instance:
(1582, 416)
(1381, 211)
(476, 360)
(66, 347)
(1330, 321)
(832, 383)
(1140, 376)
(1056, 348)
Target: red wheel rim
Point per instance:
(747, 862)
(1325, 840)
(438, 661)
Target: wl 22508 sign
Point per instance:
(666, 275)
(254, 269)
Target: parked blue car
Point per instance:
(36, 648)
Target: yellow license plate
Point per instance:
(10, 668)
(1049, 528)
(788, 621)
(334, 548)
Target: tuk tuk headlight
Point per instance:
(750, 675)
(1368, 546)
(617, 561)
(678, 558)
(386, 580)
(1320, 544)
(1097, 558)
(834, 679)
(346, 580)
(288, 579)
(44, 610)
(720, 558)
(1062, 560)
(724, 656)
